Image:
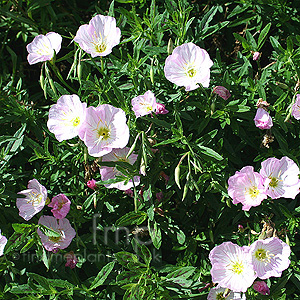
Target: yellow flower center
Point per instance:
(237, 267)
(274, 182)
(103, 133)
(54, 239)
(100, 47)
(191, 72)
(76, 121)
(253, 192)
(35, 198)
(263, 255)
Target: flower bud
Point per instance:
(262, 119)
(256, 55)
(261, 287)
(222, 92)
(92, 184)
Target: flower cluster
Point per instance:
(278, 178)
(235, 267)
(33, 202)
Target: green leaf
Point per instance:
(124, 258)
(21, 228)
(132, 218)
(89, 200)
(262, 36)
(243, 41)
(102, 275)
(210, 152)
(155, 234)
(48, 231)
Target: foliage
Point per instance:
(201, 142)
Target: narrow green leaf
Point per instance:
(102, 275)
(262, 36)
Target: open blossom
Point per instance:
(262, 119)
(66, 117)
(283, 175)
(3, 241)
(111, 172)
(187, 66)
(222, 92)
(60, 206)
(99, 36)
(270, 257)
(71, 260)
(63, 227)
(144, 104)
(232, 267)
(247, 187)
(296, 108)
(43, 46)
(261, 287)
(34, 200)
(104, 129)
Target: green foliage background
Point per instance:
(202, 142)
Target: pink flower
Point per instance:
(256, 55)
(92, 184)
(112, 172)
(283, 175)
(104, 129)
(34, 201)
(144, 104)
(247, 187)
(60, 206)
(232, 267)
(161, 109)
(261, 287)
(262, 119)
(129, 192)
(71, 260)
(296, 108)
(99, 36)
(43, 46)
(3, 241)
(222, 92)
(270, 257)
(61, 226)
(66, 117)
(187, 66)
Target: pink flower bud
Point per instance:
(262, 119)
(92, 184)
(161, 109)
(261, 287)
(222, 92)
(71, 260)
(256, 55)
(129, 192)
(241, 228)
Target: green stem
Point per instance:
(57, 73)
